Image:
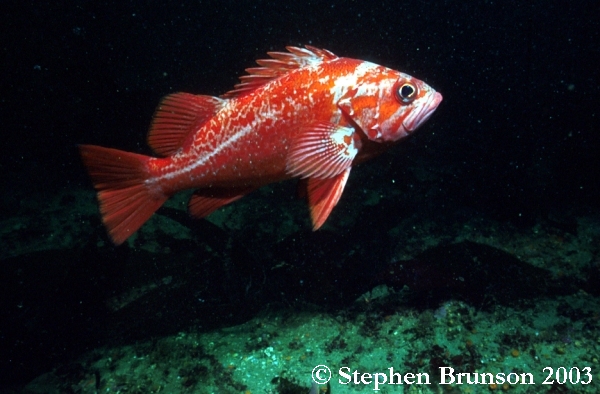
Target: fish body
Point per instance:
(305, 113)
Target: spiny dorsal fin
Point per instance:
(280, 64)
(177, 116)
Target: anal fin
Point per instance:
(206, 201)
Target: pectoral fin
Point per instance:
(322, 151)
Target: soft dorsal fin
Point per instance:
(177, 116)
(280, 64)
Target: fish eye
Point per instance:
(406, 92)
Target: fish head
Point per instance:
(388, 105)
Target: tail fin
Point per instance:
(126, 202)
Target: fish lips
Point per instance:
(420, 114)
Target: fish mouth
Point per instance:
(419, 115)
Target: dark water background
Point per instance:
(517, 132)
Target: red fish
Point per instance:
(305, 113)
